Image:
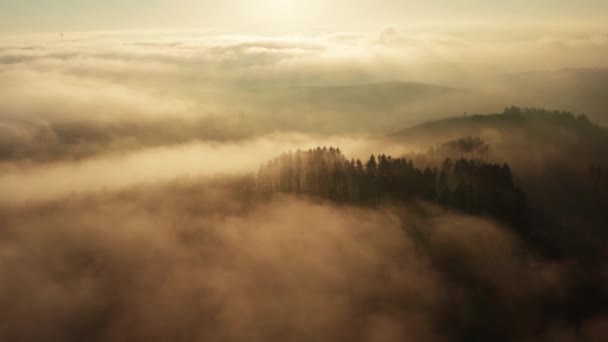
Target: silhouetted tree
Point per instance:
(467, 185)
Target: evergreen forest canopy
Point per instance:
(537, 122)
(472, 186)
(556, 196)
(554, 115)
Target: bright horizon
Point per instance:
(284, 16)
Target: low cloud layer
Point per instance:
(118, 169)
(122, 158)
(102, 93)
(198, 261)
(272, 82)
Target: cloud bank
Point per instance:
(198, 261)
(100, 242)
(96, 93)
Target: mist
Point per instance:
(196, 261)
(153, 185)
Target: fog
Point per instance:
(95, 92)
(259, 80)
(127, 162)
(196, 260)
(27, 181)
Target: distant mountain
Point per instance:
(517, 128)
(532, 140)
(375, 96)
(576, 90)
(374, 108)
(363, 108)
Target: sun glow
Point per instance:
(287, 13)
(280, 5)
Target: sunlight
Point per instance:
(286, 13)
(271, 9)
(279, 4)
(303, 170)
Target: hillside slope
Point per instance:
(552, 154)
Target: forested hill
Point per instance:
(471, 186)
(539, 121)
(558, 159)
(522, 137)
(579, 89)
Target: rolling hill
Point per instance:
(552, 154)
(576, 90)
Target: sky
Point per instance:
(291, 15)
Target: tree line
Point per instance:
(553, 115)
(471, 186)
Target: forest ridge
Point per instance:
(472, 186)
